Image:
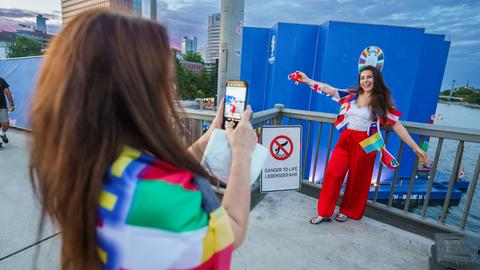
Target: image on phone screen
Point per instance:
(235, 100)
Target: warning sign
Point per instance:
(282, 168)
(281, 147)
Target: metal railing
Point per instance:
(308, 119)
(195, 122)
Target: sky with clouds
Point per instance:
(458, 20)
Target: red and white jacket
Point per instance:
(346, 98)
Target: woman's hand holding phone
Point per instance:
(217, 121)
(243, 138)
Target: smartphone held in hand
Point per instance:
(235, 101)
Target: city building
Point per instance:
(137, 7)
(145, 8)
(149, 9)
(203, 52)
(38, 33)
(189, 45)
(213, 42)
(41, 23)
(6, 40)
(192, 66)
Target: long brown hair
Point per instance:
(107, 81)
(381, 95)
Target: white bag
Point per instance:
(217, 158)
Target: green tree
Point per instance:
(445, 93)
(473, 98)
(186, 83)
(24, 47)
(191, 85)
(463, 92)
(193, 57)
(470, 94)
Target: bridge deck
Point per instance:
(279, 235)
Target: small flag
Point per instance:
(387, 159)
(372, 143)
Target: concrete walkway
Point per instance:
(279, 235)
(20, 213)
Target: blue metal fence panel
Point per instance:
(21, 74)
(427, 83)
(293, 48)
(254, 65)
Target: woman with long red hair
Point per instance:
(107, 160)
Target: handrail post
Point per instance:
(328, 149)
(432, 176)
(278, 119)
(453, 180)
(395, 176)
(471, 191)
(380, 167)
(412, 179)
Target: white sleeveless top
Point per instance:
(358, 117)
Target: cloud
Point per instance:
(186, 18)
(12, 18)
(16, 13)
(22, 13)
(458, 20)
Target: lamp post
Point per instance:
(231, 31)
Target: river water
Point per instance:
(463, 117)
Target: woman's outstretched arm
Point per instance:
(405, 136)
(319, 86)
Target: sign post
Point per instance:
(282, 169)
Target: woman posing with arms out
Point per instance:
(107, 161)
(361, 113)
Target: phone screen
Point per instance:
(235, 100)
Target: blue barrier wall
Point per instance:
(254, 65)
(413, 66)
(21, 74)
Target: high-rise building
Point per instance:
(149, 9)
(145, 8)
(213, 42)
(70, 8)
(194, 44)
(41, 23)
(137, 7)
(189, 45)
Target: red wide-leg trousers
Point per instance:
(349, 156)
